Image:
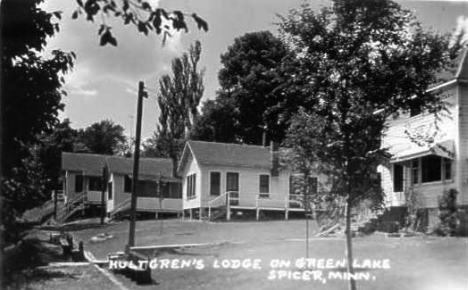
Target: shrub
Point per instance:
(448, 216)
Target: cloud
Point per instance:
(78, 82)
(461, 31)
(88, 93)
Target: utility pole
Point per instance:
(136, 164)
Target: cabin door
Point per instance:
(232, 187)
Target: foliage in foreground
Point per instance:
(31, 99)
(453, 221)
(360, 62)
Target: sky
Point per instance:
(104, 82)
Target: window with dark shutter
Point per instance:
(215, 183)
(397, 178)
(264, 185)
(447, 169)
(78, 183)
(232, 181)
(127, 184)
(109, 193)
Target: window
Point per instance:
(78, 183)
(397, 177)
(264, 185)
(431, 168)
(447, 169)
(127, 184)
(146, 188)
(415, 172)
(109, 194)
(313, 184)
(175, 190)
(191, 185)
(297, 184)
(94, 183)
(232, 181)
(215, 183)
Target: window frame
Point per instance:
(445, 163)
(238, 181)
(94, 180)
(191, 183)
(211, 183)
(79, 186)
(127, 184)
(110, 193)
(301, 175)
(398, 184)
(264, 194)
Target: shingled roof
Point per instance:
(224, 154)
(148, 166)
(90, 164)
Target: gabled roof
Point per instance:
(462, 72)
(148, 166)
(90, 164)
(224, 154)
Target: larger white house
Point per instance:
(430, 154)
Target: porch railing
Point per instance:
(72, 206)
(121, 207)
(227, 199)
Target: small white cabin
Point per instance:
(240, 177)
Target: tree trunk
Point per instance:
(349, 246)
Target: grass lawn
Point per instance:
(421, 262)
(59, 278)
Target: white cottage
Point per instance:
(157, 190)
(238, 178)
(82, 174)
(421, 171)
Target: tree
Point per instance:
(103, 137)
(30, 101)
(248, 82)
(138, 13)
(217, 122)
(178, 100)
(31, 94)
(363, 61)
(49, 151)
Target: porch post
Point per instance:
(228, 207)
(258, 213)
